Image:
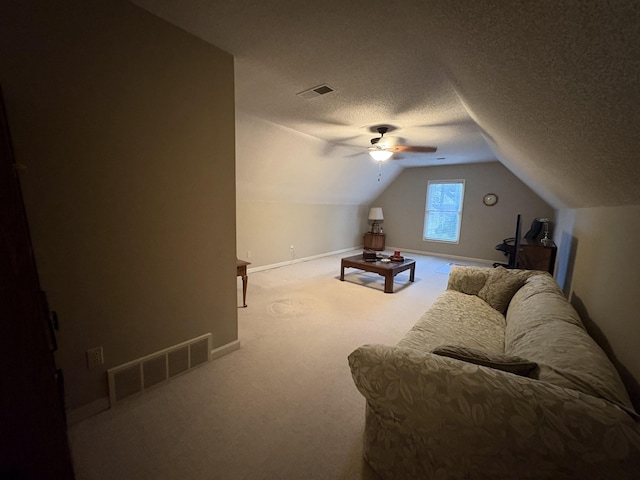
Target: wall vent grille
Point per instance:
(316, 91)
(143, 373)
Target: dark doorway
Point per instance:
(33, 443)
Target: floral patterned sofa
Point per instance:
(497, 380)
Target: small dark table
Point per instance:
(387, 270)
(374, 241)
(241, 271)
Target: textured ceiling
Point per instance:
(550, 88)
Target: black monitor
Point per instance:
(513, 259)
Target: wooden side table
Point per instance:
(374, 241)
(241, 271)
(533, 256)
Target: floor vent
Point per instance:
(139, 375)
(316, 92)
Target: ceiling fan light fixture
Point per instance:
(384, 142)
(380, 155)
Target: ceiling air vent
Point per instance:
(315, 92)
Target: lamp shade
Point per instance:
(380, 155)
(376, 213)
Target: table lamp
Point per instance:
(375, 215)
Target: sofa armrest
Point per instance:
(494, 419)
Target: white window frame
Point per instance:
(427, 212)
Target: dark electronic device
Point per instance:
(510, 247)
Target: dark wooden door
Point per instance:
(33, 435)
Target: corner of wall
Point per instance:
(567, 245)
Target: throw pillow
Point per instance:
(500, 287)
(507, 363)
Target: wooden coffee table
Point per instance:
(387, 269)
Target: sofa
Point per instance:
(497, 380)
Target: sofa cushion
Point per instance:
(467, 279)
(500, 287)
(456, 318)
(499, 361)
(543, 327)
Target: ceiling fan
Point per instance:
(382, 149)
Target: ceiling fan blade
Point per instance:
(409, 148)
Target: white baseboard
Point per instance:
(225, 349)
(300, 260)
(89, 410)
(360, 247)
(101, 404)
(444, 255)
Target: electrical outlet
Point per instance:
(248, 253)
(291, 248)
(95, 358)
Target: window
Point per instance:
(443, 210)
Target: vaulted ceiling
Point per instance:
(549, 88)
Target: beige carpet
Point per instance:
(284, 405)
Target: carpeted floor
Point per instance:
(283, 406)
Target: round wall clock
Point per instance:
(490, 199)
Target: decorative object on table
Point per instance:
(396, 257)
(369, 256)
(375, 215)
(545, 240)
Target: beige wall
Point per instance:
(403, 204)
(599, 246)
(278, 164)
(293, 189)
(268, 229)
(126, 125)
